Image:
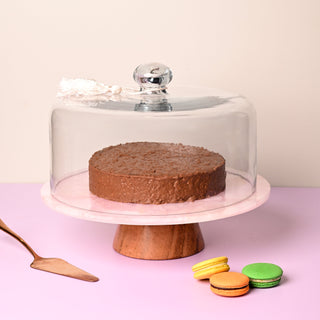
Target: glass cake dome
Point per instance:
(89, 116)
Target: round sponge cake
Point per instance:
(156, 173)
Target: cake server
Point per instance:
(53, 265)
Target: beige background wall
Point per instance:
(268, 50)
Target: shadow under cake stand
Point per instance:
(155, 232)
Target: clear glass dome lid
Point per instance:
(153, 94)
(89, 116)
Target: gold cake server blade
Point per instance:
(53, 265)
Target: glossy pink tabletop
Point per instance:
(285, 231)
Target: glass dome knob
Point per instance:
(152, 75)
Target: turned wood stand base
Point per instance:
(158, 242)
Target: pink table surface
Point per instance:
(285, 231)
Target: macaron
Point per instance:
(229, 284)
(205, 269)
(263, 275)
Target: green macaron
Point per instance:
(263, 275)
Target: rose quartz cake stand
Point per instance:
(155, 232)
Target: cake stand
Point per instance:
(155, 232)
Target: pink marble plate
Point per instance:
(72, 197)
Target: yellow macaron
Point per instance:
(205, 269)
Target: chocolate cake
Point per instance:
(156, 173)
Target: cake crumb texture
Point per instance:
(152, 172)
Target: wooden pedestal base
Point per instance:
(158, 242)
